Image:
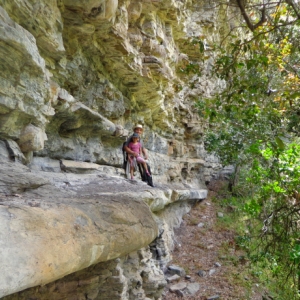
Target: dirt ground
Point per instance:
(203, 245)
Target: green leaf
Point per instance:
(280, 143)
(201, 46)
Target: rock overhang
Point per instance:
(56, 223)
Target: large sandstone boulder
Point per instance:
(56, 223)
(41, 242)
(47, 232)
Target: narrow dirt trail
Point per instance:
(204, 245)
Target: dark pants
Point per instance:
(145, 177)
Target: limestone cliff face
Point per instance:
(75, 77)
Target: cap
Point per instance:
(135, 135)
(137, 126)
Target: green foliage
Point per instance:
(254, 123)
(273, 214)
(225, 143)
(252, 208)
(295, 254)
(267, 221)
(200, 43)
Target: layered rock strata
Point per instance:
(75, 76)
(57, 223)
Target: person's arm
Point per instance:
(145, 153)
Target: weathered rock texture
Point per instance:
(75, 76)
(56, 223)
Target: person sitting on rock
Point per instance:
(136, 148)
(138, 129)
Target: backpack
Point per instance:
(125, 158)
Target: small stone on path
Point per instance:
(193, 288)
(213, 297)
(220, 214)
(178, 286)
(179, 293)
(211, 272)
(173, 278)
(201, 273)
(176, 270)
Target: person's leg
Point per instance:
(143, 162)
(131, 167)
(131, 172)
(146, 169)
